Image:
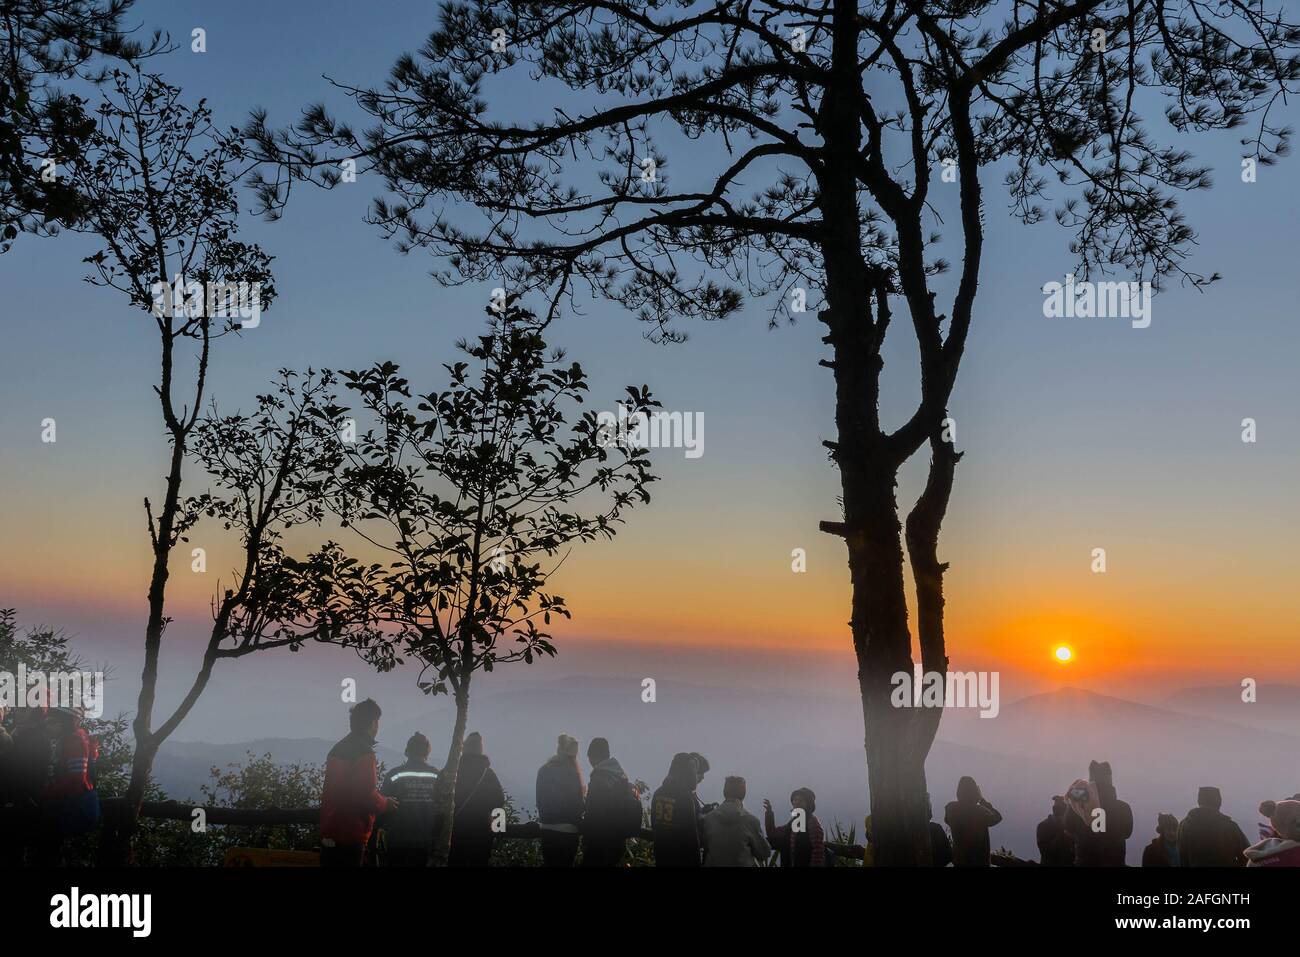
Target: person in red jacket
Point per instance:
(351, 798)
(70, 800)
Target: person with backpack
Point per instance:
(969, 818)
(479, 796)
(409, 829)
(801, 842)
(674, 815)
(613, 812)
(1208, 837)
(1104, 847)
(561, 798)
(351, 799)
(71, 799)
(732, 836)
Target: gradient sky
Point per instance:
(1078, 433)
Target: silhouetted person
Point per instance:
(478, 796)
(675, 815)
(940, 846)
(71, 800)
(1163, 849)
(31, 756)
(560, 801)
(613, 811)
(1208, 837)
(969, 818)
(28, 776)
(351, 798)
(1055, 845)
(732, 836)
(1103, 846)
(1280, 846)
(801, 842)
(410, 828)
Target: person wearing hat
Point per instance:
(1055, 846)
(409, 830)
(1208, 837)
(1163, 849)
(802, 841)
(561, 798)
(479, 796)
(1281, 847)
(1100, 840)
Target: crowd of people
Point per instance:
(48, 770)
(591, 822)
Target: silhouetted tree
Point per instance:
(159, 179)
(844, 111)
(473, 492)
(43, 42)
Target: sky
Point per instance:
(1079, 434)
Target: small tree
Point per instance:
(473, 492)
(158, 178)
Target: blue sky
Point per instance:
(1078, 432)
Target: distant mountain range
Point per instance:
(1032, 750)
(1275, 708)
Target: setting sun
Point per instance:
(1064, 654)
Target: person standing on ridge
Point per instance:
(1208, 837)
(409, 829)
(1163, 849)
(351, 797)
(1055, 845)
(561, 797)
(479, 796)
(675, 817)
(613, 812)
(969, 818)
(1098, 820)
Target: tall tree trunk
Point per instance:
(445, 801)
(115, 849)
(894, 737)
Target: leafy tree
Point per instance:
(43, 42)
(831, 120)
(159, 181)
(471, 492)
